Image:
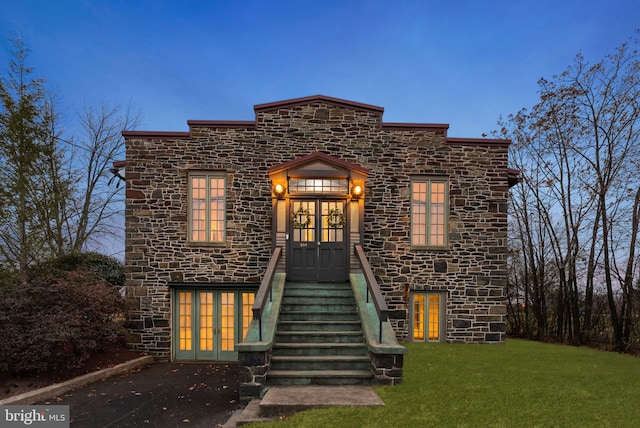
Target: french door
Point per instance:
(318, 244)
(208, 323)
(428, 317)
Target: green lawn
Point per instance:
(520, 384)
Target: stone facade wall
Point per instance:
(472, 270)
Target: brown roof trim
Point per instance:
(321, 98)
(221, 123)
(155, 134)
(410, 126)
(513, 177)
(318, 156)
(478, 142)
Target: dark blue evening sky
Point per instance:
(459, 62)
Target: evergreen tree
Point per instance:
(29, 188)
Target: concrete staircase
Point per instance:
(319, 338)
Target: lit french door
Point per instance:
(318, 241)
(427, 317)
(209, 323)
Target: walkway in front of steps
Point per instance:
(287, 400)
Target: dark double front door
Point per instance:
(318, 241)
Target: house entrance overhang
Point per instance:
(318, 206)
(319, 166)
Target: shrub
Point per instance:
(57, 323)
(104, 267)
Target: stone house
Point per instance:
(316, 177)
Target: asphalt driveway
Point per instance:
(158, 395)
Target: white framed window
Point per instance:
(429, 211)
(207, 207)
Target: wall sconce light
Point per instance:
(279, 190)
(357, 191)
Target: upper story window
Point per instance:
(207, 218)
(429, 210)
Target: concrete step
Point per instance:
(280, 401)
(318, 285)
(308, 300)
(319, 377)
(299, 315)
(310, 292)
(250, 414)
(320, 306)
(319, 336)
(325, 362)
(286, 400)
(323, 325)
(315, 349)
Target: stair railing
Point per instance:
(373, 288)
(265, 291)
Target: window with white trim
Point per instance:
(207, 207)
(429, 211)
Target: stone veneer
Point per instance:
(472, 270)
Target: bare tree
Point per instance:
(90, 213)
(55, 197)
(579, 152)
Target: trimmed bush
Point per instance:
(99, 265)
(57, 323)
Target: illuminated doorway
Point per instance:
(208, 323)
(427, 317)
(318, 247)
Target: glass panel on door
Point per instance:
(304, 221)
(227, 322)
(184, 321)
(434, 317)
(333, 221)
(247, 312)
(206, 321)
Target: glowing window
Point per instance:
(207, 207)
(429, 212)
(184, 316)
(318, 185)
(427, 317)
(206, 321)
(227, 321)
(247, 313)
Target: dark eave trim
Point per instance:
(155, 134)
(513, 177)
(478, 142)
(221, 123)
(221, 285)
(414, 126)
(317, 98)
(315, 157)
